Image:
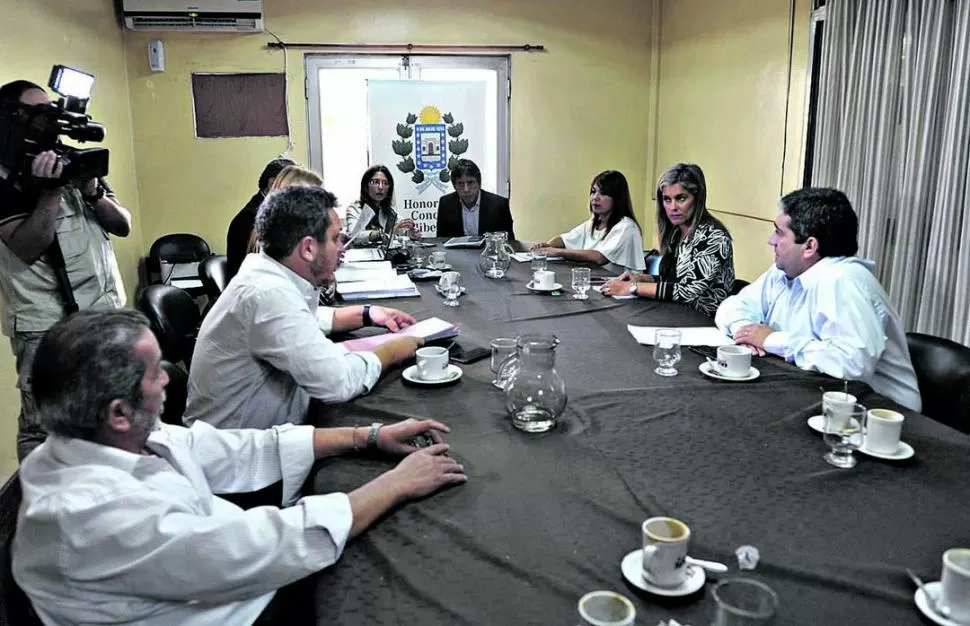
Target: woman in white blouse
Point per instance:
(377, 192)
(611, 237)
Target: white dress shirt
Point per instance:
(262, 353)
(834, 318)
(110, 537)
(470, 216)
(622, 247)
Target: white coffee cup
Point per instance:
(543, 279)
(665, 551)
(606, 608)
(733, 361)
(883, 429)
(955, 585)
(437, 259)
(839, 403)
(432, 362)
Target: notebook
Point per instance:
(430, 330)
(468, 241)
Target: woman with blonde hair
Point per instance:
(697, 267)
(290, 176)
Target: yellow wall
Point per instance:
(82, 34)
(577, 108)
(722, 101)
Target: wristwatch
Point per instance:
(372, 435)
(365, 316)
(633, 288)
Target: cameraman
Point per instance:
(32, 211)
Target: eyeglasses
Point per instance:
(376, 182)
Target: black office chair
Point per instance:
(170, 251)
(212, 273)
(943, 374)
(176, 393)
(15, 607)
(174, 319)
(739, 284)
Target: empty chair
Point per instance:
(174, 318)
(943, 374)
(739, 284)
(212, 273)
(176, 393)
(175, 259)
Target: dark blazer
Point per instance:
(240, 230)
(494, 215)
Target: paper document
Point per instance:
(366, 215)
(357, 255)
(691, 336)
(525, 257)
(396, 286)
(625, 296)
(364, 271)
(429, 330)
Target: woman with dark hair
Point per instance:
(612, 235)
(697, 267)
(377, 193)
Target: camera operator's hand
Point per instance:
(46, 165)
(89, 188)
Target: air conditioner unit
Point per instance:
(227, 16)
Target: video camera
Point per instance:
(28, 130)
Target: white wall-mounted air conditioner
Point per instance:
(227, 16)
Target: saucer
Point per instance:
(632, 567)
(706, 370)
(817, 423)
(903, 451)
(440, 268)
(923, 605)
(555, 287)
(410, 374)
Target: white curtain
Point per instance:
(893, 132)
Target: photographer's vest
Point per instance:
(31, 299)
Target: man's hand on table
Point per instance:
(426, 471)
(395, 438)
(391, 319)
(753, 336)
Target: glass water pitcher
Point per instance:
(535, 395)
(497, 256)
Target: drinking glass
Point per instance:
(843, 433)
(417, 255)
(453, 290)
(502, 349)
(580, 283)
(743, 602)
(666, 351)
(539, 261)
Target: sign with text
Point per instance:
(418, 129)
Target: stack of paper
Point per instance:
(429, 330)
(396, 286)
(525, 257)
(362, 271)
(695, 336)
(363, 254)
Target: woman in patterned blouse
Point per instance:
(697, 268)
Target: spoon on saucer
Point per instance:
(712, 566)
(930, 599)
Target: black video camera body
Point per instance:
(28, 130)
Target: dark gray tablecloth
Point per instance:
(545, 518)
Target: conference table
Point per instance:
(545, 518)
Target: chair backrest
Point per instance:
(943, 374)
(174, 319)
(212, 273)
(15, 607)
(176, 393)
(175, 249)
(739, 284)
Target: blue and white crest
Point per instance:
(429, 147)
(430, 140)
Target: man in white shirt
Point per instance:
(263, 350)
(821, 307)
(119, 523)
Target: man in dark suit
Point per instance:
(470, 210)
(241, 226)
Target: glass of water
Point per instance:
(539, 261)
(580, 283)
(451, 287)
(843, 433)
(502, 349)
(666, 351)
(743, 602)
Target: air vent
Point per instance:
(211, 23)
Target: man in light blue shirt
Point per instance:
(821, 307)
